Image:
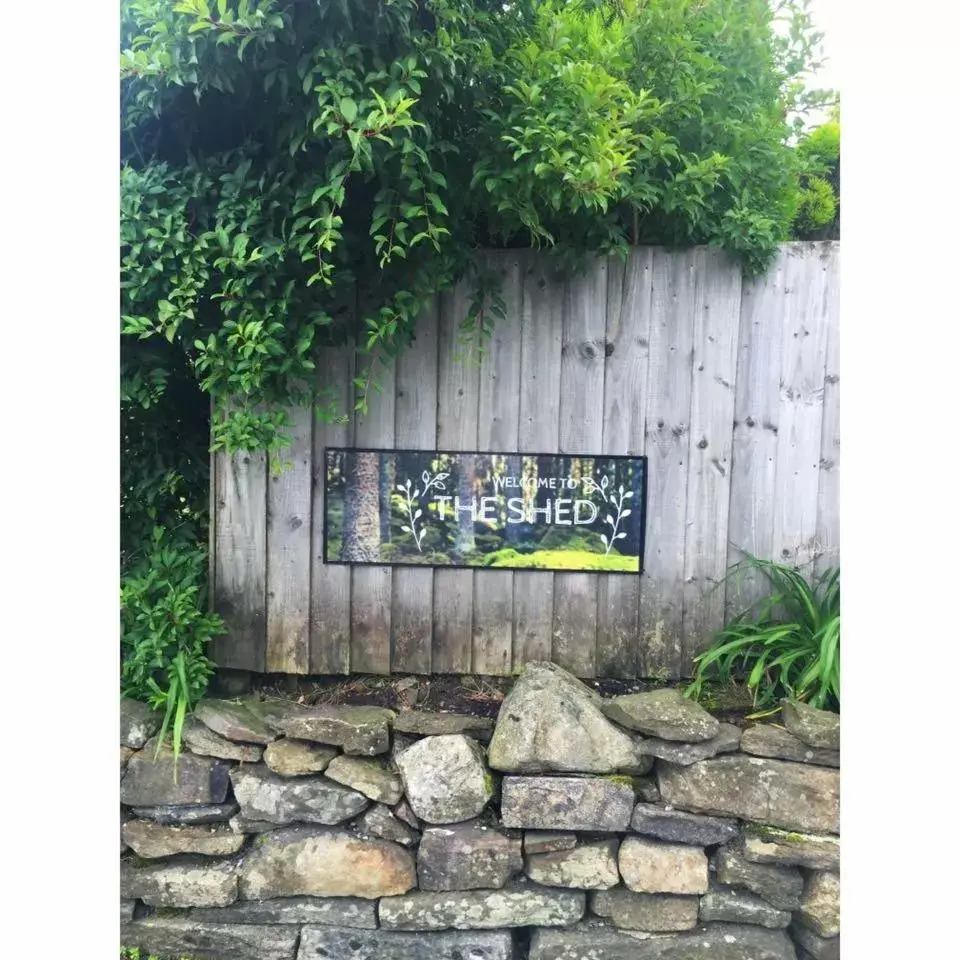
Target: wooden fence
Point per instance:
(729, 386)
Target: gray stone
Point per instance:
(653, 912)
(380, 822)
(547, 841)
(263, 795)
(127, 909)
(368, 777)
(678, 826)
(181, 882)
(519, 905)
(150, 839)
(212, 941)
(246, 720)
(243, 825)
(319, 862)
(329, 911)
(403, 812)
(597, 805)
(646, 790)
(730, 905)
(820, 948)
(816, 728)
(779, 886)
(666, 714)
(652, 866)
(820, 904)
(125, 754)
(467, 856)
(297, 758)
(791, 795)
(591, 866)
(319, 943)
(138, 723)
(200, 739)
(427, 724)
(770, 845)
(188, 814)
(767, 740)
(149, 782)
(358, 731)
(445, 778)
(726, 741)
(550, 722)
(723, 941)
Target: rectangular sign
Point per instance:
(503, 511)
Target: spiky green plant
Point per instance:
(786, 644)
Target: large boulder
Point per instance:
(358, 731)
(328, 911)
(730, 905)
(150, 839)
(652, 866)
(317, 942)
(518, 905)
(678, 826)
(319, 862)
(816, 728)
(246, 721)
(180, 882)
(138, 723)
(652, 912)
(666, 714)
(726, 740)
(368, 777)
(426, 724)
(445, 778)
(153, 779)
(590, 866)
(790, 795)
(770, 845)
(550, 722)
(768, 740)
(297, 758)
(594, 804)
(820, 904)
(779, 886)
(215, 941)
(466, 856)
(264, 796)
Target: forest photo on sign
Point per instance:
(503, 510)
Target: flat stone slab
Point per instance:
(467, 856)
(730, 905)
(368, 777)
(724, 941)
(727, 740)
(244, 825)
(597, 805)
(771, 845)
(768, 740)
(379, 821)
(547, 841)
(151, 782)
(816, 728)
(790, 795)
(652, 912)
(150, 839)
(358, 731)
(779, 886)
(200, 739)
(181, 882)
(590, 866)
(678, 826)
(328, 942)
(427, 724)
(263, 795)
(244, 720)
(189, 813)
(320, 862)
(328, 911)
(138, 723)
(297, 758)
(652, 866)
(519, 905)
(212, 941)
(666, 714)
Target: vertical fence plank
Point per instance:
(330, 583)
(581, 431)
(240, 542)
(717, 324)
(288, 551)
(667, 444)
(416, 429)
(458, 392)
(541, 344)
(624, 421)
(497, 427)
(828, 497)
(372, 587)
(803, 368)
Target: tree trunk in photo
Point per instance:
(361, 513)
(466, 482)
(388, 480)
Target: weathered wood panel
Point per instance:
(416, 429)
(581, 431)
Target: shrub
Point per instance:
(786, 644)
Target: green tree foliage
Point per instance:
(818, 197)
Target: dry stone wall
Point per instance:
(575, 828)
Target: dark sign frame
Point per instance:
(642, 459)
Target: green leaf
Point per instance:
(348, 108)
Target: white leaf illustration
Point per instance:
(408, 483)
(425, 476)
(609, 520)
(416, 493)
(603, 537)
(604, 482)
(620, 536)
(621, 489)
(627, 512)
(629, 493)
(405, 528)
(418, 515)
(401, 489)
